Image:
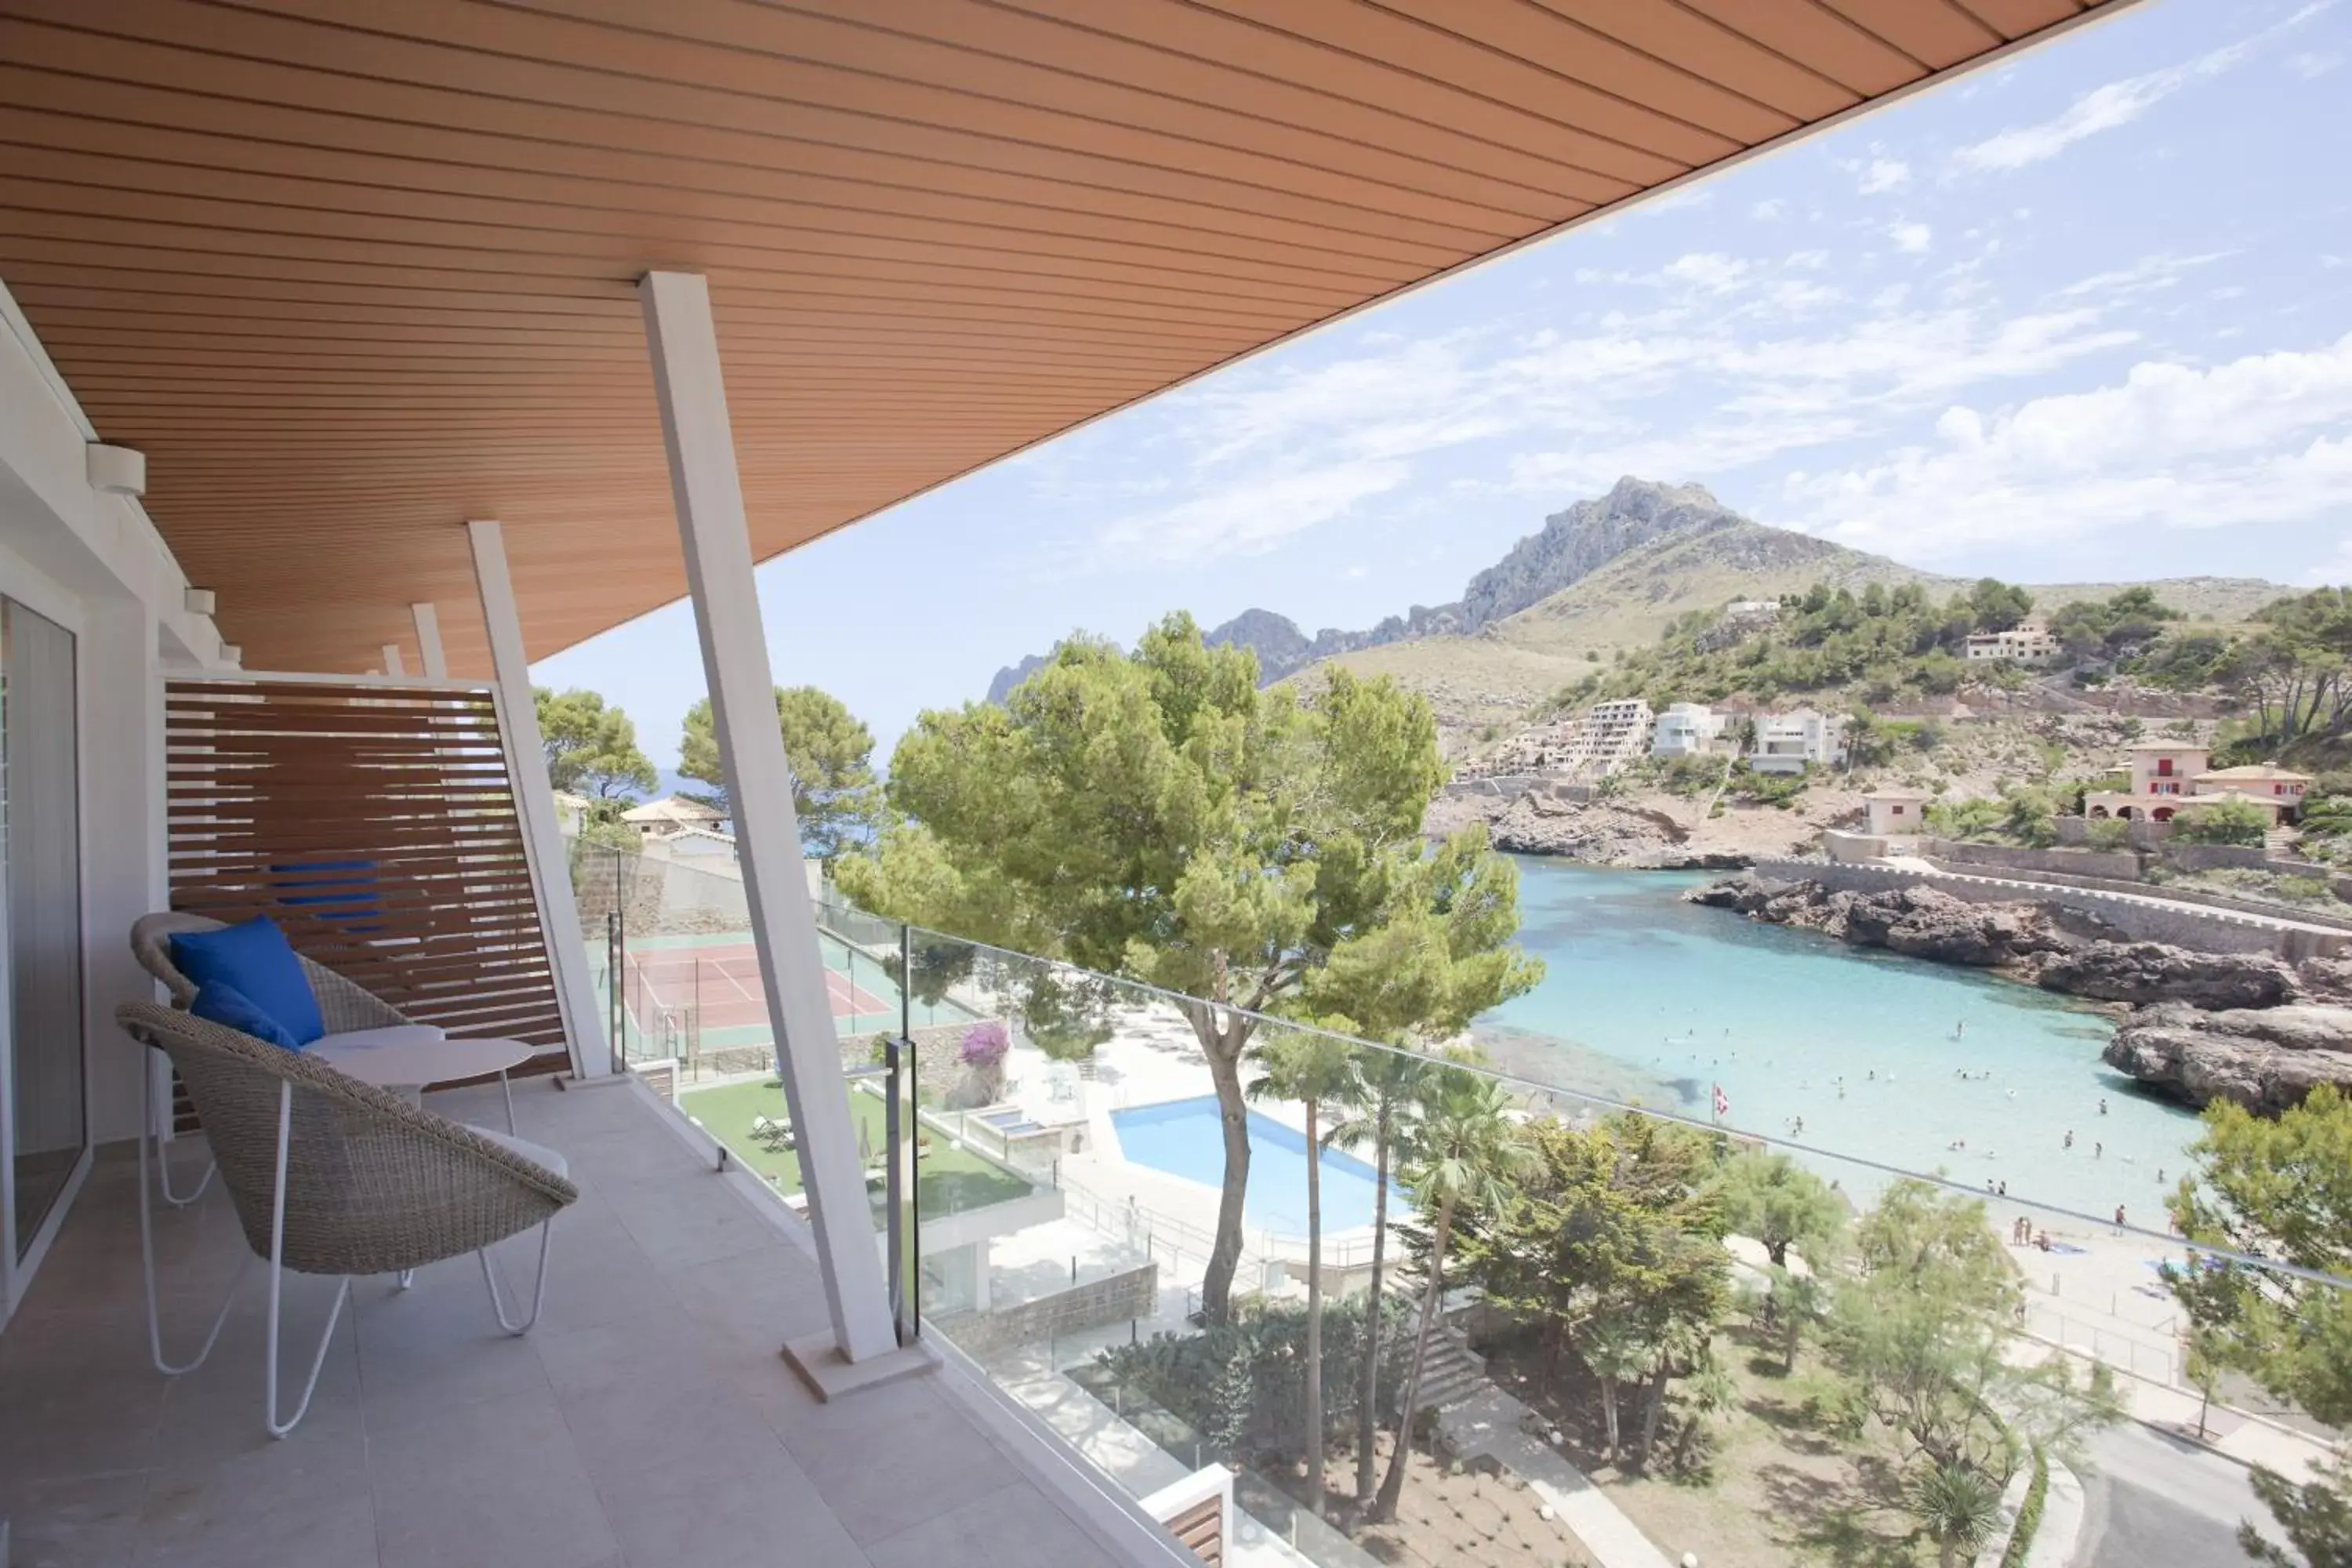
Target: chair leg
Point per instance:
(277, 1277)
(406, 1279)
(163, 1159)
(147, 1261)
(539, 1287)
(506, 1082)
(163, 1177)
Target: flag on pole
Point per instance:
(1722, 1103)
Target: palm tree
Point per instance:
(1379, 1104)
(1465, 1157)
(1309, 1067)
(1617, 1353)
(1958, 1504)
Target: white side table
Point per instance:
(407, 1065)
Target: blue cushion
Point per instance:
(255, 959)
(227, 1004)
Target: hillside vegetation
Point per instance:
(1880, 645)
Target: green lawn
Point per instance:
(952, 1180)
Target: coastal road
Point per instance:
(2152, 1499)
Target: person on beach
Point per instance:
(2070, 1138)
(2103, 1106)
(2119, 1219)
(2098, 1150)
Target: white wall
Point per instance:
(98, 557)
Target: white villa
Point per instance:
(1803, 737)
(2029, 642)
(1687, 730)
(671, 814)
(2168, 774)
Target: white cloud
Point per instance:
(2146, 275)
(1247, 517)
(2252, 441)
(2114, 105)
(1913, 239)
(2312, 63)
(1707, 270)
(1768, 209)
(1884, 174)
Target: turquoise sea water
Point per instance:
(1668, 999)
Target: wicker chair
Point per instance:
(333, 1176)
(344, 1005)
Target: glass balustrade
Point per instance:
(1580, 1319)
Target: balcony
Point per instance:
(647, 1419)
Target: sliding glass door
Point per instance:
(41, 840)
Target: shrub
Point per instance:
(1973, 820)
(2107, 833)
(2304, 890)
(2028, 1514)
(1752, 788)
(2226, 821)
(984, 1044)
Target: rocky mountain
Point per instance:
(1609, 573)
(1573, 544)
(1569, 547)
(1012, 675)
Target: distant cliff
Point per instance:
(1612, 572)
(1570, 545)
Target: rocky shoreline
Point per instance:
(2195, 1026)
(1647, 830)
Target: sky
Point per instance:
(2086, 315)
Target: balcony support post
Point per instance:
(534, 799)
(428, 641)
(708, 495)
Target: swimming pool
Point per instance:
(1183, 1138)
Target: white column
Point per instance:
(392, 662)
(428, 641)
(534, 797)
(708, 496)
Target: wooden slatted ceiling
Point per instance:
(377, 826)
(351, 273)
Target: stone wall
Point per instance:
(939, 1071)
(2145, 834)
(1852, 848)
(2114, 864)
(1503, 787)
(2199, 927)
(2215, 857)
(1114, 1299)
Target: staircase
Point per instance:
(1454, 1372)
(2280, 843)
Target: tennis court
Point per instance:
(710, 985)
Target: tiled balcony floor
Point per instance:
(648, 1420)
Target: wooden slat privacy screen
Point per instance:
(376, 825)
(1202, 1528)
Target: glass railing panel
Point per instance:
(1753, 1350)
